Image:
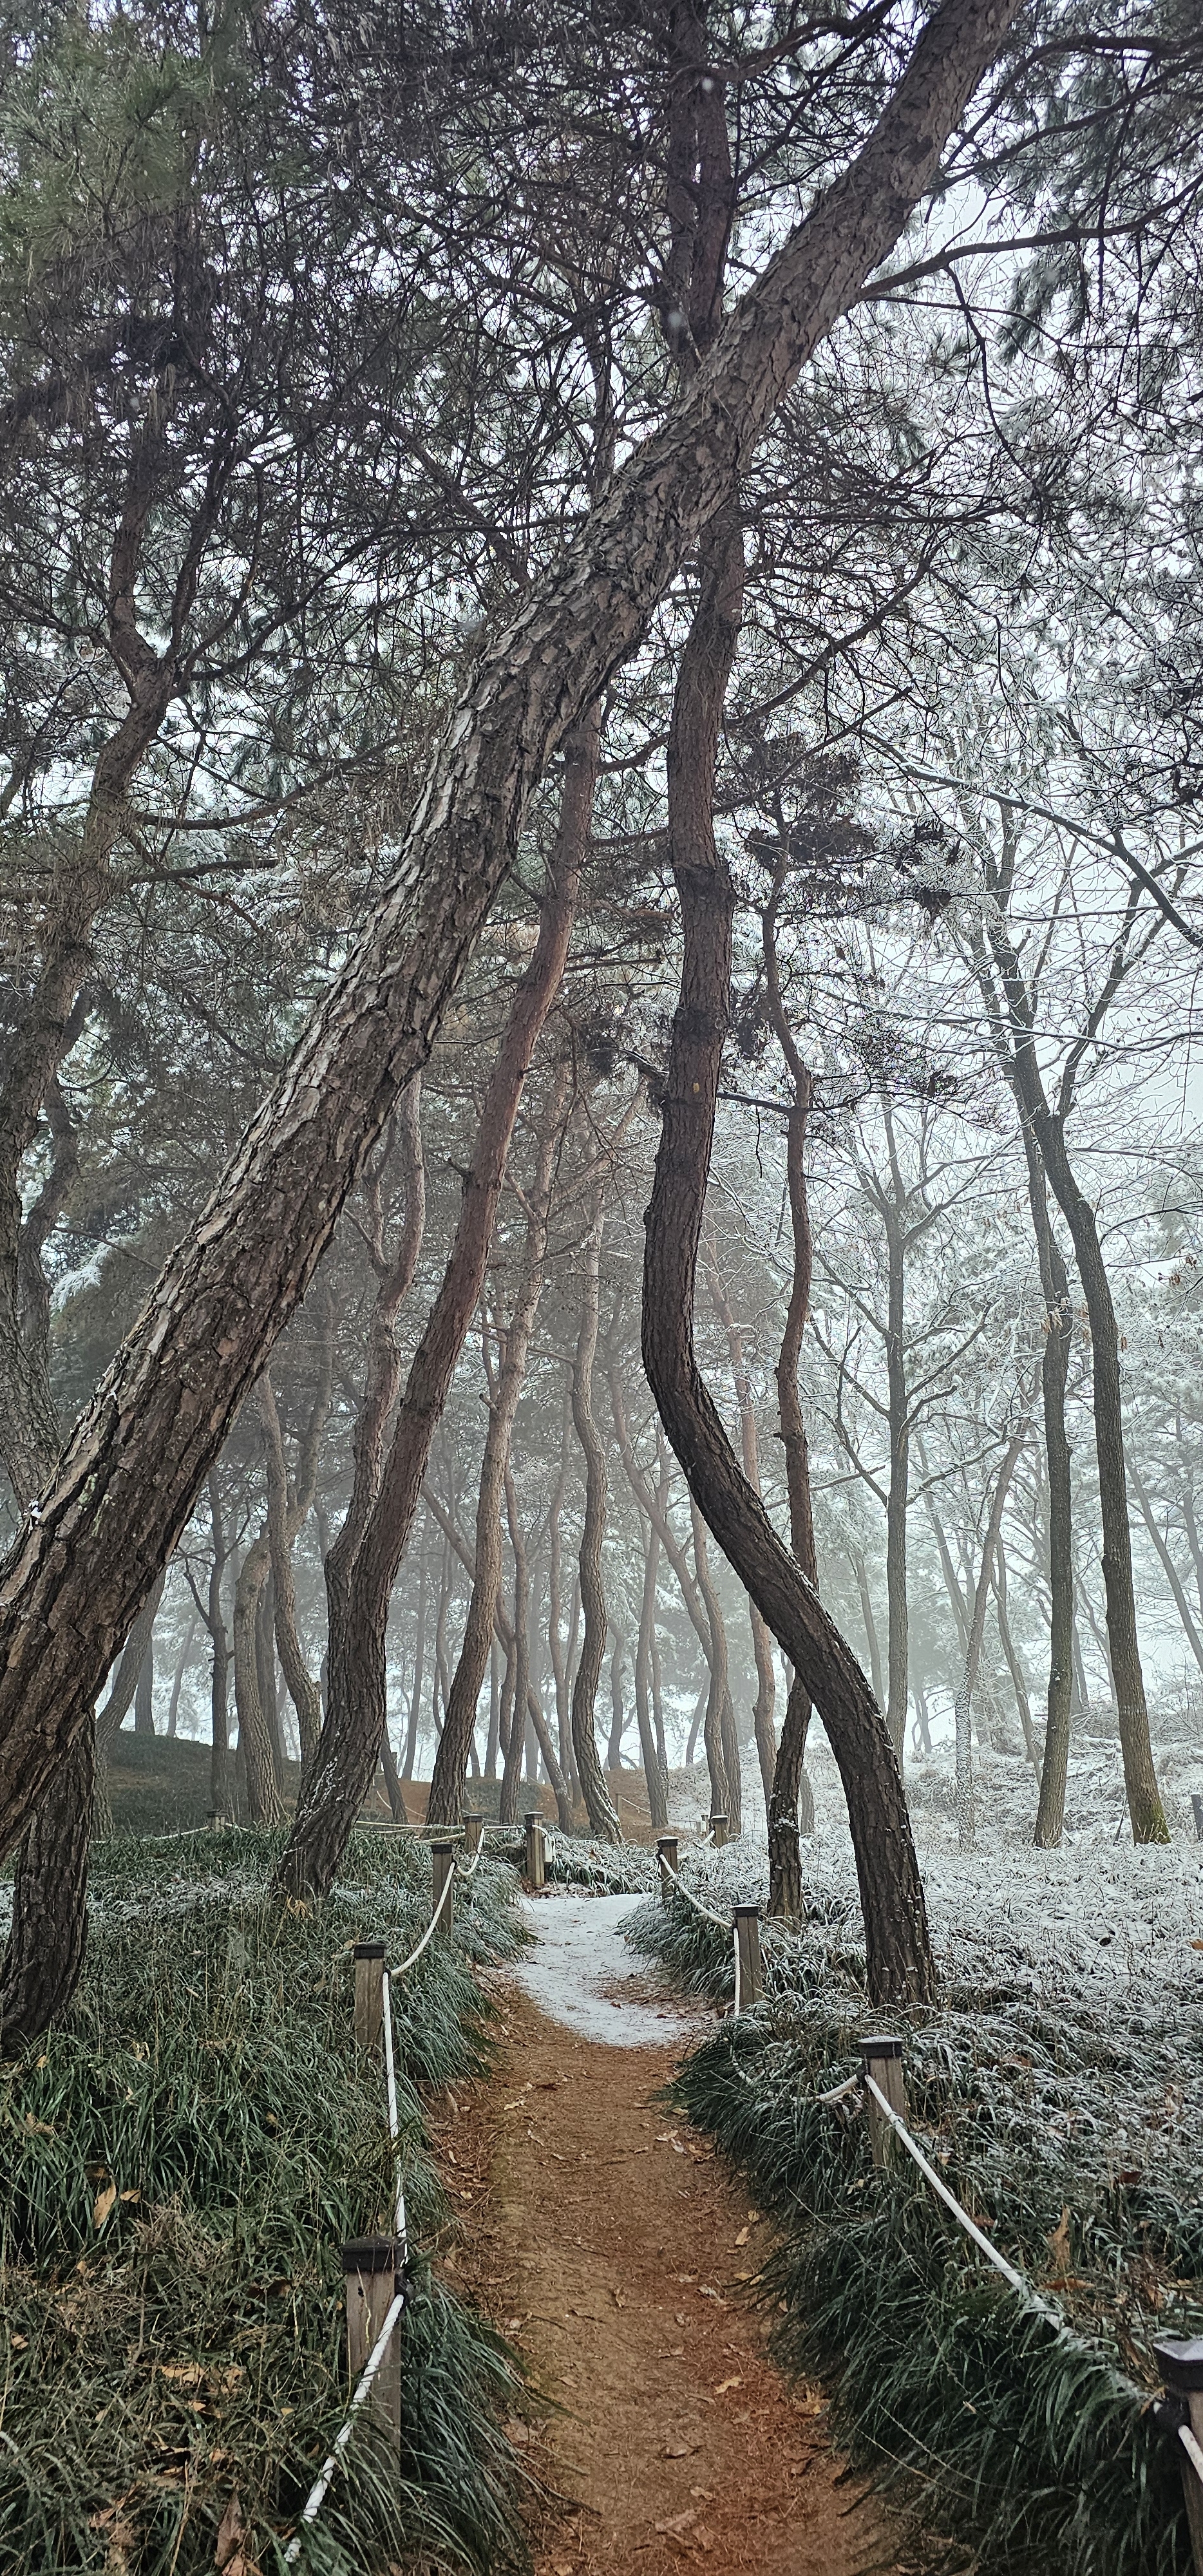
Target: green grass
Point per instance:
(1028, 2450)
(181, 2163)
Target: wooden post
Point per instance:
(666, 1854)
(1181, 2360)
(369, 1993)
(1197, 1804)
(747, 1938)
(474, 1831)
(371, 2267)
(882, 2059)
(718, 1827)
(536, 1852)
(442, 1861)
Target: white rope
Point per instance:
(400, 2225)
(970, 2226)
(696, 1902)
(430, 1930)
(469, 1871)
(1191, 2448)
(321, 2486)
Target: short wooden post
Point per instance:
(369, 1993)
(666, 1854)
(371, 2266)
(442, 1860)
(1197, 1804)
(536, 1851)
(1181, 2360)
(718, 1829)
(882, 2059)
(747, 1942)
(474, 1831)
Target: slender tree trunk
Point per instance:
(451, 1761)
(419, 1676)
(791, 1806)
(173, 1708)
(116, 1709)
(763, 1729)
(1172, 1576)
(392, 1782)
(1013, 1660)
(697, 1721)
(614, 1761)
(860, 1569)
(512, 1774)
(265, 1667)
(493, 1743)
(254, 1733)
(350, 1744)
(555, 1643)
(288, 1508)
(1054, 1374)
(220, 1784)
(724, 1796)
(505, 1637)
(966, 1821)
(648, 1719)
(598, 1807)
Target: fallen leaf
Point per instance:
(679, 2450)
(1195, 1945)
(231, 2531)
(678, 2316)
(679, 2522)
(131, 2195)
(705, 2495)
(38, 2128)
(20, 2343)
(743, 2235)
(186, 2374)
(104, 2203)
(725, 2384)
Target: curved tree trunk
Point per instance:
(131, 1470)
(963, 1794)
(791, 1806)
(898, 1948)
(1014, 1665)
(350, 1745)
(598, 1807)
(724, 1792)
(451, 1760)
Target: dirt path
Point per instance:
(603, 2234)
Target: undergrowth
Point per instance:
(181, 2162)
(1027, 2448)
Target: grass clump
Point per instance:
(181, 2162)
(1026, 2446)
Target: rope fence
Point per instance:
(377, 2268)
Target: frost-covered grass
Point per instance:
(1059, 2087)
(181, 2162)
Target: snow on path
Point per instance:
(580, 1972)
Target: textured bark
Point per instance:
(598, 1807)
(112, 1718)
(177, 1684)
(860, 1569)
(330, 1800)
(144, 1692)
(1046, 1126)
(289, 1502)
(1054, 1375)
(511, 1778)
(132, 1468)
(963, 1792)
(763, 1729)
(451, 1761)
(899, 1959)
(1013, 1661)
(415, 1693)
(555, 1642)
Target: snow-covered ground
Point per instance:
(580, 1971)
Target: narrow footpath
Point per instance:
(602, 2233)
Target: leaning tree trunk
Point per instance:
(459, 1723)
(350, 1747)
(898, 1949)
(129, 1474)
(598, 1806)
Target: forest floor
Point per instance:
(614, 2249)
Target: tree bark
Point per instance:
(173, 1707)
(144, 1693)
(111, 1719)
(451, 1760)
(254, 1726)
(1014, 1663)
(511, 1777)
(724, 1791)
(654, 1766)
(602, 1818)
(288, 1507)
(131, 1470)
(505, 1635)
(220, 1784)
